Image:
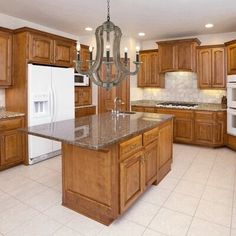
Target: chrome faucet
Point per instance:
(116, 101)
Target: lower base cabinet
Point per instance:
(131, 180)
(206, 128)
(147, 166)
(118, 175)
(11, 142)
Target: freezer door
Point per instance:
(63, 96)
(40, 108)
(63, 93)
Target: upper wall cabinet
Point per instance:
(148, 75)
(231, 57)
(45, 48)
(178, 55)
(5, 57)
(84, 56)
(211, 66)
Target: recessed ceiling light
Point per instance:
(141, 34)
(88, 29)
(209, 25)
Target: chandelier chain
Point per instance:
(108, 10)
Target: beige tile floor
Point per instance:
(196, 198)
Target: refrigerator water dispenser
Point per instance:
(41, 105)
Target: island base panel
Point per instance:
(90, 182)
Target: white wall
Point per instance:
(14, 23)
(180, 86)
(207, 39)
(130, 43)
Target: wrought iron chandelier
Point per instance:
(103, 33)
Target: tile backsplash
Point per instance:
(2, 97)
(182, 86)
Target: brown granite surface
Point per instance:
(201, 106)
(99, 131)
(9, 114)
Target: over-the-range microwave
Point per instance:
(81, 80)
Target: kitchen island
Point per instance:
(109, 160)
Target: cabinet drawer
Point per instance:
(150, 135)
(206, 116)
(130, 146)
(10, 124)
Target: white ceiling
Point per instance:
(157, 18)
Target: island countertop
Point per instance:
(98, 131)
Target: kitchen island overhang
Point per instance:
(108, 161)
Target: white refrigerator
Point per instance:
(50, 99)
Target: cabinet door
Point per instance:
(84, 56)
(41, 49)
(231, 59)
(186, 56)
(131, 180)
(204, 71)
(64, 53)
(106, 97)
(5, 58)
(155, 78)
(144, 72)
(165, 144)
(204, 132)
(83, 96)
(167, 57)
(183, 129)
(151, 163)
(136, 108)
(11, 147)
(218, 67)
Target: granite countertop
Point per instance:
(98, 131)
(9, 114)
(201, 106)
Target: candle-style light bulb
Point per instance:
(126, 54)
(108, 52)
(78, 47)
(137, 53)
(90, 53)
(78, 50)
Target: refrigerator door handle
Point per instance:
(54, 104)
(51, 105)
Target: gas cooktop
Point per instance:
(182, 105)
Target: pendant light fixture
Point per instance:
(109, 35)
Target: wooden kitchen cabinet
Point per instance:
(106, 97)
(149, 75)
(207, 128)
(177, 55)
(151, 163)
(183, 124)
(231, 57)
(83, 96)
(84, 56)
(5, 57)
(45, 48)
(64, 52)
(165, 149)
(210, 128)
(85, 111)
(211, 66)
(41, 48)
(131, 180)
(11, 142)
(142, 166)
